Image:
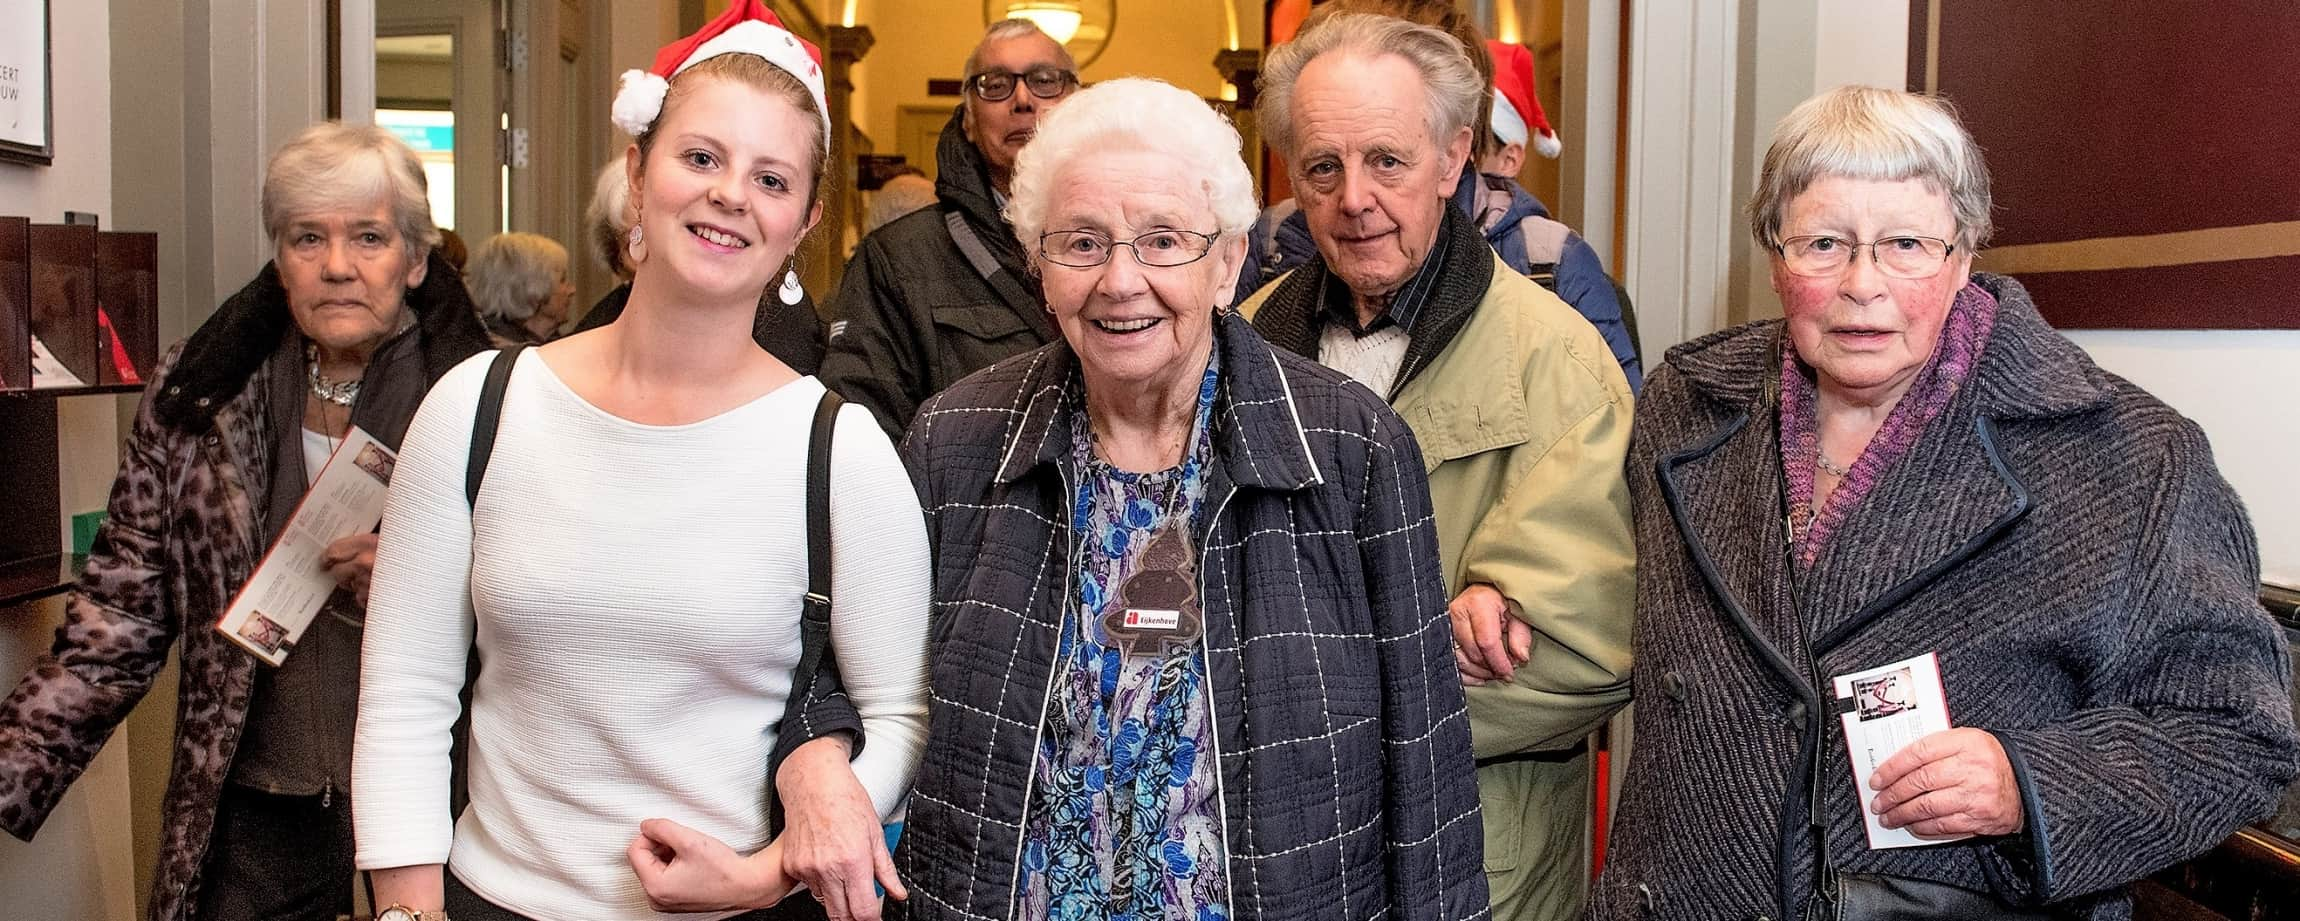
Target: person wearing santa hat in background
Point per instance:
(1520, 228)
(631, 568)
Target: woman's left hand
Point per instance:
(352, 562)
(832, 842)
(685, 870)
(1953, 782)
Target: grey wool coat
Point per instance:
(2059, 537)
(1341, 736)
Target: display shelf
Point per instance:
(38, 577)
(93, 390)
(90, 299)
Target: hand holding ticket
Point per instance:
(1891, 707)
(292, 584)
(1952, 783)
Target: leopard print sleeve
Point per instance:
(118, 625)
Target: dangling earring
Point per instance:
(791, 291)
(638, 245)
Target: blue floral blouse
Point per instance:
(1125, 817)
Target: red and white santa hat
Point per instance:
(1517, 115)
(747, 27)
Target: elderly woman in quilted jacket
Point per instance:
(1914, 464)
(1191, 658)
(347, 326)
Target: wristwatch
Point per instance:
(404, 913)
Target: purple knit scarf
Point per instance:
(1963, 333)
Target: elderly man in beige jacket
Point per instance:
(1522, 414)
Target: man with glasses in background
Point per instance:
(944, 291)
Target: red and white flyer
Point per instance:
(291, 585)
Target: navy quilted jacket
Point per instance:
(1347, 784)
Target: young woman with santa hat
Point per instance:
(630, 569)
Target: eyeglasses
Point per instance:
(1045, 83)
(1823, 256)
(1085, 249)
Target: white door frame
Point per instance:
(1681, 222)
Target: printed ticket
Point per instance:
(291, 586)
(1892, 706)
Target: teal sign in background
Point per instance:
(426, 138)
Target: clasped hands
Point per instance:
(833, 846)
(1489, 643)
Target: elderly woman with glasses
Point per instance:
(1913, 466)
(1190, 650)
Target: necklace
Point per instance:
(340, 393)
(1822, 461)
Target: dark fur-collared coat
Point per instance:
(2059, 537)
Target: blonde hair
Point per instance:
(332, 166)
(608, 217)
(513, 274)
(755, 72)
(1864, 132)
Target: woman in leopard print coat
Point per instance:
(195, 506)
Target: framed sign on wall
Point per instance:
(27, 122)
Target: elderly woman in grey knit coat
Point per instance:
(1913, 463)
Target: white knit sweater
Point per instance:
(637, 595)
(1372, 359)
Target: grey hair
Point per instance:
(898, 197)
(1456, 94)
(1134, 114)
(1005, 29)
(333, 166)
(608, 218)
(512, 274)
(1865, 132)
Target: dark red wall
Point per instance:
(2121, 118)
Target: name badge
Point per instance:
(1151, 619)
(1156, 612)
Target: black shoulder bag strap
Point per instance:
(815, 608)
(483, 424)
(485, 420)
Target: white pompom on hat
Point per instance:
(746, 27)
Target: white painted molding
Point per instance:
(355, 59)
(1684, 60)
(1590, 115)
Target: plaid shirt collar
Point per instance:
(1339, 307)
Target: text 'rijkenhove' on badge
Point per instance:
(291, 586)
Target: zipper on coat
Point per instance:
(1214, 715)
(1045, 703)
(1823, 903)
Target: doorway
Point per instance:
(438, 86)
